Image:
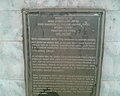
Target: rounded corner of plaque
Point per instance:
(25, 11)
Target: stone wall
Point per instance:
(11, 49)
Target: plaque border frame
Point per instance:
(25, 36)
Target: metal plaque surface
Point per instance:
(63, 51)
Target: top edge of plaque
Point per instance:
(28, 10)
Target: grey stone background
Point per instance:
(11, 51)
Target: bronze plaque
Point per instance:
(63, 51)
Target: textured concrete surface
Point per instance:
(18, 4)
(10, 25)
(12, 88)
(11, 54)
(11, 60)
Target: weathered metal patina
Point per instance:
(63, 51)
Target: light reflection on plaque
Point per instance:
(63, 51)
